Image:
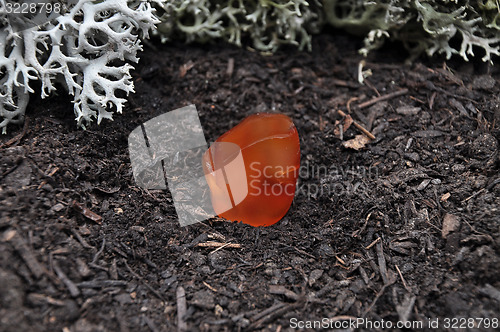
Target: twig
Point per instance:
(221, 247)
(154, 291)
(403, 279)
(218, 245)
(342, 317)
(364, 275)
(473, 195)
(373, 243)
(86, 212)
(181, 309)
(357, 125)
(81, 239)
(491, 292)
(370, 307)
(282, 290)
(210, 287)
(18, 137)
(348, 105)
(73, 289)
(269, 313)
(304, 252)
(102, 283)
(382, 98)
(341, 261)
(97, 254)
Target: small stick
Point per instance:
(473, 195)
(402, 279)
(81, 239)
(370, 307)
(340, 260)
(218, 245)
(221, 247)
(360, 127)
(304, 253)
(18, 137)
(73, 289)
(210, 287)
(372, 244)
(98, 253)
(138, 277)
(282, 290)
(181, 309)
(348, 105)
(268, 311)
(382, 98)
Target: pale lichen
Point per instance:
(86, 49)
(267, 23)
(89, 47)
(422, 26)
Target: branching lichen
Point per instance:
(268, 23)
(89, 47)
(85, 49)
(422, 26)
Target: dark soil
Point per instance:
(406, 228)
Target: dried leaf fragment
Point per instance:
(357, 143)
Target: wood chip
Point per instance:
(230, 67)
(314, 276)
(451, 223)
(181, 309)
(381, 263)
(87, 213)
(357, 143)
(185, 68)
(445, 197)
(408, 110)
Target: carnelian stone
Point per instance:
(252, 169)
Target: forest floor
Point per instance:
(405, 228)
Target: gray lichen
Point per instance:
(85, 49)
(88, 46)
(268, 24)
(422, 26)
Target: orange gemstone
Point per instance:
(252, 169)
